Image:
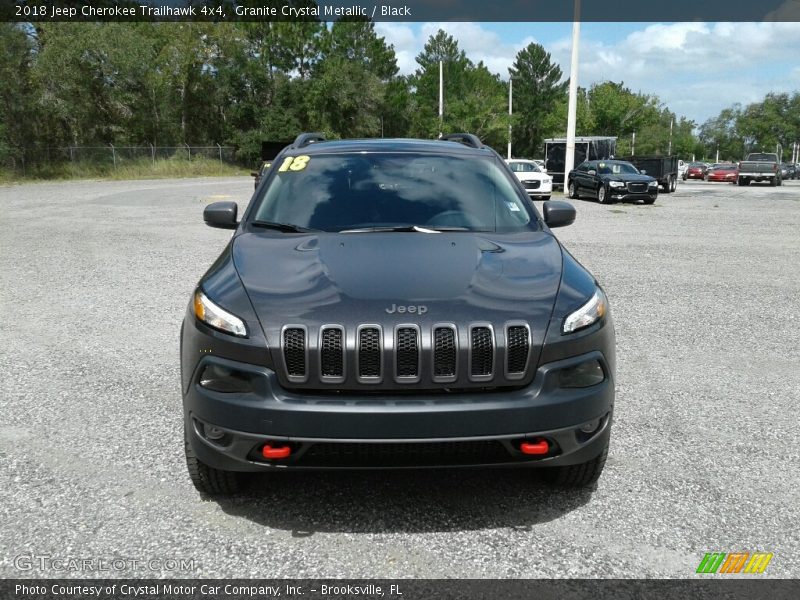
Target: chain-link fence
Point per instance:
(115, 156)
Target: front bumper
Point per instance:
(623, 195)
(341, 430)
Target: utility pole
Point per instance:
(569, 159)
(441, 99)
(671, 121)
(633, 144)
(510, 95)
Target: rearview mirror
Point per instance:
(592, 172)
(558, 213)
(221, 215)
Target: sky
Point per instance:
(696, 69)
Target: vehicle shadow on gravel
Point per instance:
(401, 501)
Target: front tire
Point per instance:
(602, 195)
(209, 480)
(577, 476)
(572, 190)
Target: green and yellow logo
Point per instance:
(735, 562)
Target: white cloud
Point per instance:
(696, 69)
(478, 43)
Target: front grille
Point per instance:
(397, 454)
(407, 355)
(407, 352)
(637, 188)
(331, 353)
(517, 348)
(532, 185)
(444, 353)
(482, 352)
(294, 351)
(369, 352)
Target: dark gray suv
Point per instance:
(389, 304)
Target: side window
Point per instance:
(516, 167)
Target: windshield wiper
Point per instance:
(412, 228)
(288, 227)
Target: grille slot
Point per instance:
(532, 185)
(294, 352)
(331, 349)
(369, 353)
(517, 350)
(481, 353)
(637, 187)
(407, 353)
(444, 354)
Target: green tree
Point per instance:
(537, 96)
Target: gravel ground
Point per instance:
(94, 281)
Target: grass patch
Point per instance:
(128, 169)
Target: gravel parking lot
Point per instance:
(94, 282)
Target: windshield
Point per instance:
(338, 192)
(616, 168)
(522, 167)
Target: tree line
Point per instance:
(166, 84)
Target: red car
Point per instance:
(695, 170)
(723, 172)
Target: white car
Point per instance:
(536, 182)
(682, 166)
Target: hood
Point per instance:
(531, 176)
(626, 177)
(358, 278)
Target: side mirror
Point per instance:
(642, 171)
(558, 213)
(592, 172)
(221, 215)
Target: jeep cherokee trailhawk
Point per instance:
(395, 303)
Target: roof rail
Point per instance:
(304, 139)
(468, 139)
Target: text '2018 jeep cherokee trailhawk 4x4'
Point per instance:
(395, 303)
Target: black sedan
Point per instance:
(611, 181)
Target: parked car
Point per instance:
(610, 181)
(390, 303)
(536, 183)
(695, 170)
(760, 166)
(788, 171)
(723, 172)
(259, 174)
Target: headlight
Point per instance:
(616, 184)
(653, 184)
(547, 180)
(218, 318)
(591, 312)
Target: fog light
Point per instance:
(586, 374)
(214, 433)
(591, 426)
(223, 379)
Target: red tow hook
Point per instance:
(275, 453)
(538, 448)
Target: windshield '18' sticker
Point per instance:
(294, 163)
